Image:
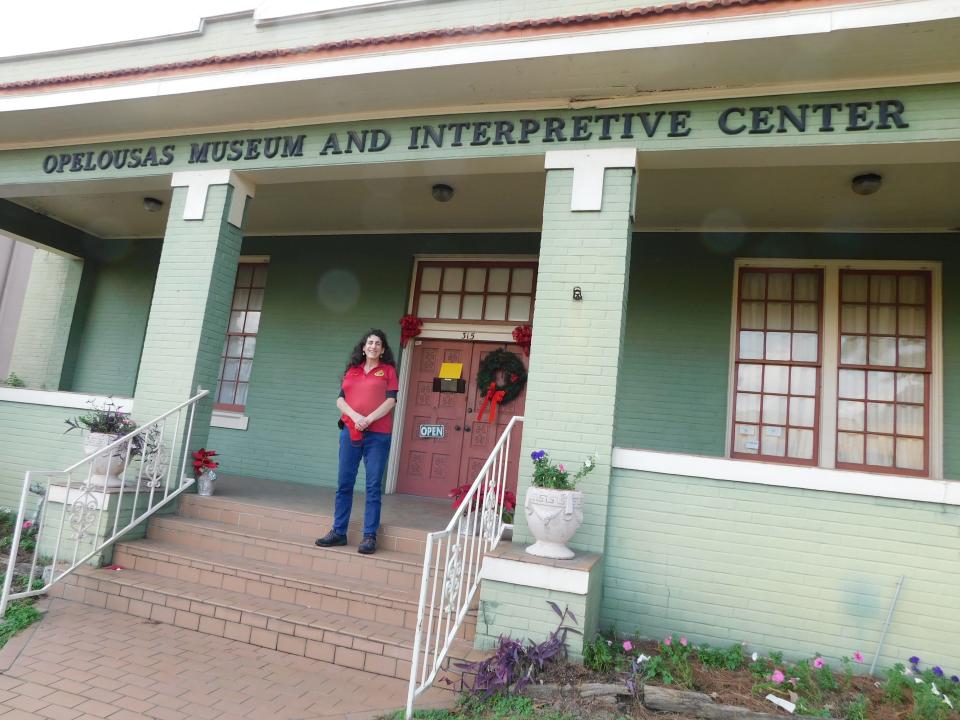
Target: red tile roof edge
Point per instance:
(419, 38)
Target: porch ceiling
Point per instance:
(891, 55)
(711, 197)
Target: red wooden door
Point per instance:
(480, 435)
(434, 466)
(431, 466)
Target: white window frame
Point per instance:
(829, 335)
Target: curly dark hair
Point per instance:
(357, 357)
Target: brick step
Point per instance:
(375, 647)
(269, 520)
(358, 598)
(397, 569)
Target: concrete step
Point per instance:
(357, 597)
(389, 567)
(247, 516)
(376, 647)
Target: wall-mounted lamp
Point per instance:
(152, 204)
(866, 184)
(577, 294)
(441, 192)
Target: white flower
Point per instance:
(935, 690)
(755, 657)
(947, 702)
(642, 659)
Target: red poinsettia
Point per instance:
(459, 494)
(202, 461)
(410, 327)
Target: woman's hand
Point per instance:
(361, 422)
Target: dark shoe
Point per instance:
(368, 546)
(332, 539)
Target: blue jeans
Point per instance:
(373, 449)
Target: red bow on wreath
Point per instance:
(492, 399)
(522, 336)
(410, 327)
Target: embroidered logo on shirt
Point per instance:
(379, 373)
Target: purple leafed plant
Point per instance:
(514, 665)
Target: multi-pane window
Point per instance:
(865, 402)
(241, 342)
(884, 371)
(777, 364)
(478, 292)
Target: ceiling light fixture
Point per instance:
(866, 184)
(152, 204)
(441, 192)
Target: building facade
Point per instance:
(731, 226)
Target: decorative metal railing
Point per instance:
(451, 566)
(132, 478)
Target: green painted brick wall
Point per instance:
(322, 294)
(779, 568)
(672, 392)
(107, 338)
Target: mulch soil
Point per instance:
(724, 686)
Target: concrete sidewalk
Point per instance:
(82, 662)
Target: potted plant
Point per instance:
(554, 507)
(105, 425)
(203, 471)
(480, 501)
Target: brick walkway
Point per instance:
(82, 662)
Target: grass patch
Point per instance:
(21, 614)
(497, 707)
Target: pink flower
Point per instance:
(561, 467)
(667, 641)
(858, 656)
(683, 641)
(818, 663)
(627, 645)
(777, 676)
(27, 524)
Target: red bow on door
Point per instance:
(492, 398)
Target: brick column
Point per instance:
(192, 297)
(576, 352)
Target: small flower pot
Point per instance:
(206, 483)
(553, 517)
(106, 467)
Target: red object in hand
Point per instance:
(355, 435)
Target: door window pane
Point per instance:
(499, 280)
(803, 380)
(778, 316)
(853, 319)
(496, 307)
(476, 277)
(800, 444)
(749, 377)
(753, 285)
(850, 448)
(802, 411)
(774, 409)
(853, 350)
(751, 315)
(452, 279)
(880, 450)
(430, 278)
(850, 415)
(519, 308)
(779, 286)
(522, 280)
(427, 308)
(778, 346)
(880, 385)
(472, 307)
(853, 287)
(449, 306)
(748, 408)
(776, 379)
(910, 453)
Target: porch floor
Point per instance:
(396, 510)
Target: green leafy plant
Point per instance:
(599, 655)
(546, 474)
(15, 381)
(672, 664)
(896, 684)
(108, 419)
(21, 614)
(730, 658)
(856, 709)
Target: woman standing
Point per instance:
(368, 395)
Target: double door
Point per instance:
(433, 460)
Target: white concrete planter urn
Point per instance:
(553, 517)
(106, 468)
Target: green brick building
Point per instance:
(732, 228)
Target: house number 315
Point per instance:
(467, 335)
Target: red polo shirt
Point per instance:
(366, 391)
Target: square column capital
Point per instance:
(588, 168)
(198, 182)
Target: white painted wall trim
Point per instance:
(589, 167)
(760, 24)
(896, 487)
(229, 420)
(198, 183)
(535, 575)
(61, 399)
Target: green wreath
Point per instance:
(514, 374)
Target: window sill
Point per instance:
(54, 398)
(897, 487)
(229, 420)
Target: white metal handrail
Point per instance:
(448, 585)
(148, 473)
